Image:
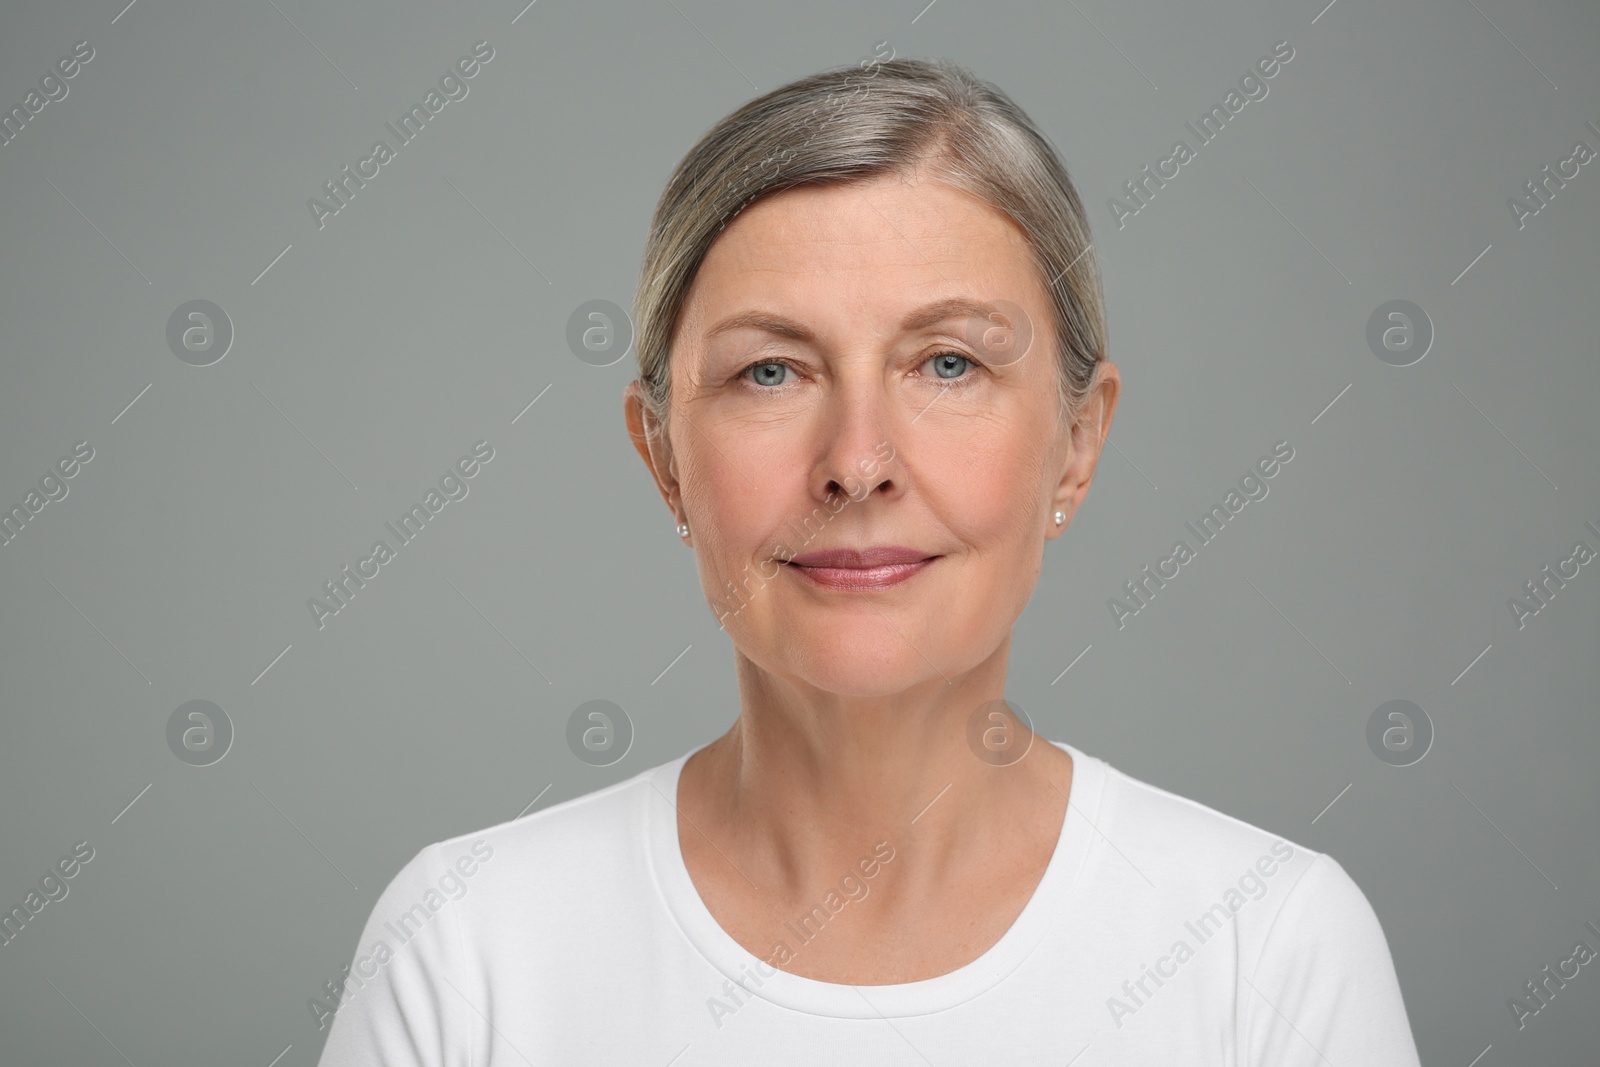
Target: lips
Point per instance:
(866, 568)
(861, 557)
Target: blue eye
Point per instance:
(948, 365)
(767, 374)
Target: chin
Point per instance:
(857, 654)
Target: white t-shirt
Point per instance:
(1162, 933)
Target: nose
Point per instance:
(858, 458)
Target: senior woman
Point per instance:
(872, 387)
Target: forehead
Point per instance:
(863, 252)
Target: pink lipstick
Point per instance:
(861, 569)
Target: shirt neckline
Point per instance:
(1063, 880)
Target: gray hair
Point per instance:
(854, 124)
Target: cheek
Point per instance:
(986, 486)
(736, 508)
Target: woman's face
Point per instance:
(832, 390)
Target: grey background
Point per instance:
(428, 314)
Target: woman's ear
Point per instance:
(650, 440)
(1085, 441)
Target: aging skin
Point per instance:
(855, 702)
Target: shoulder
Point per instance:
(1323, 984)
(1179, 841)
(462, 912)
(593, 832)
(1305, 941)
(1180, 855)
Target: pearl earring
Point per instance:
(1060, 517)
(683, 529)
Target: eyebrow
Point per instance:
(917, 319)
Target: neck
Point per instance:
(807, 781)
